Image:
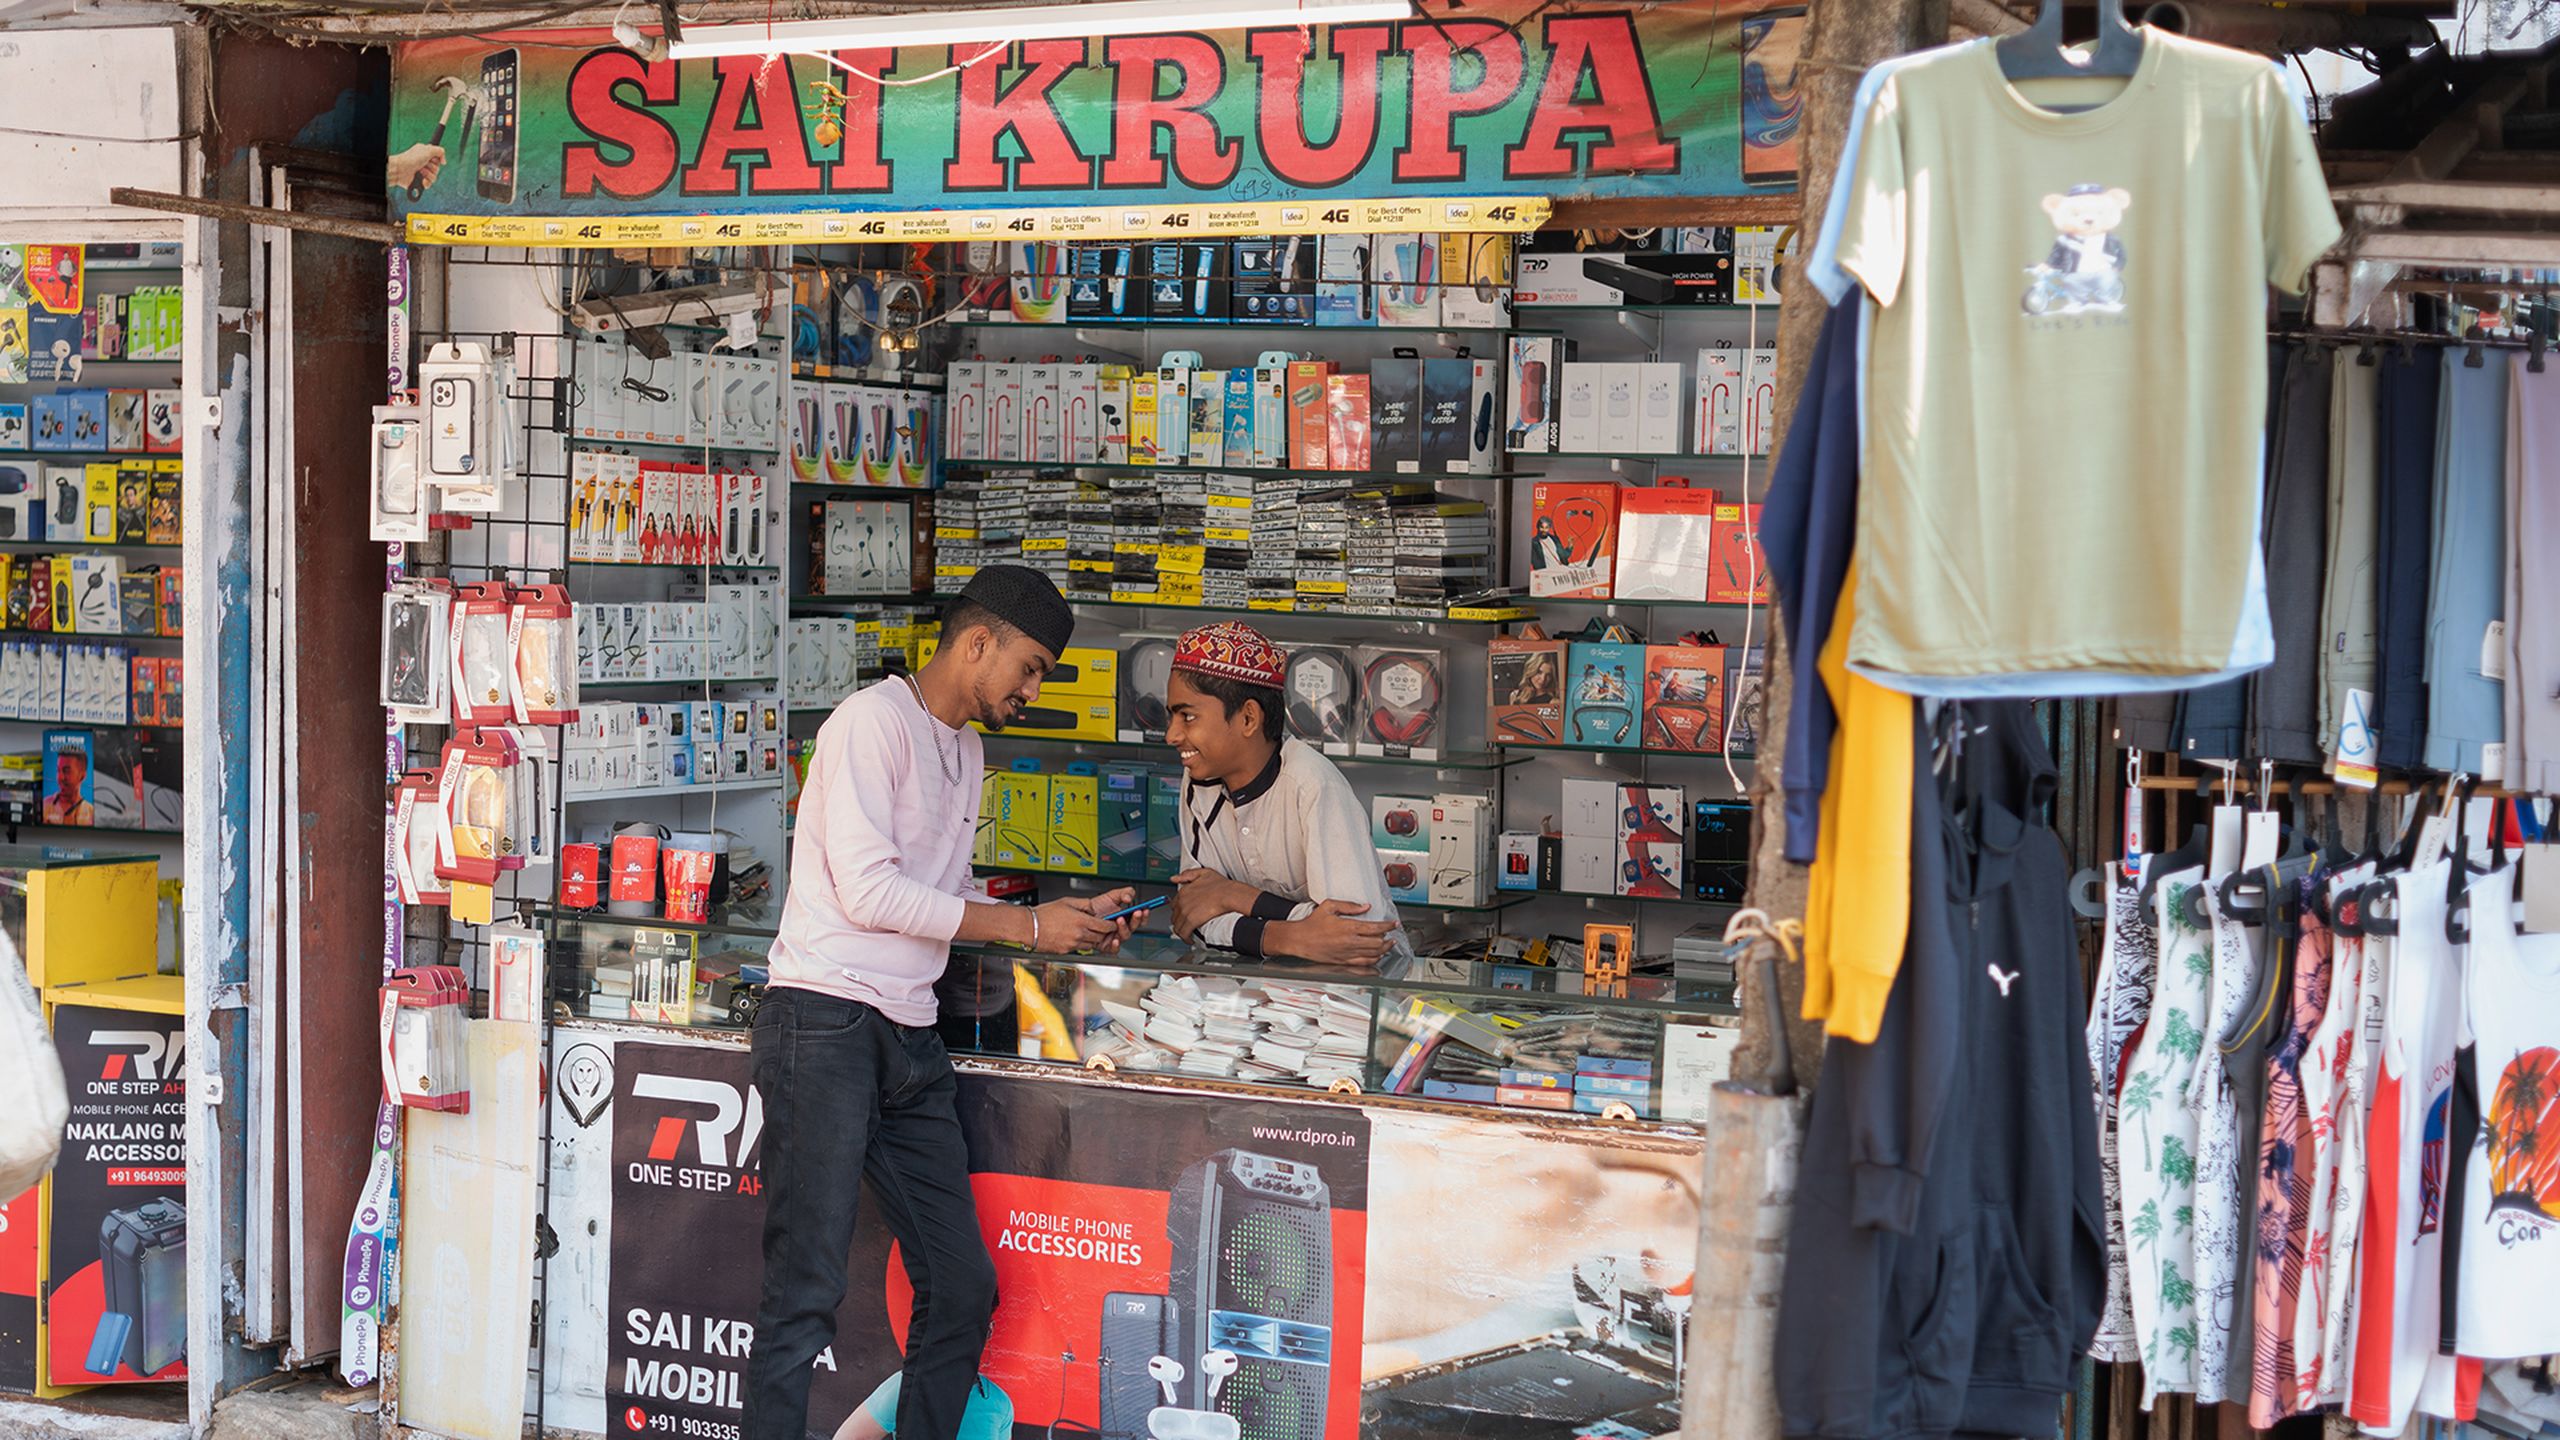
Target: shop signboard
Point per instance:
(1370, 1270)
(116, 1241)
(565, 138)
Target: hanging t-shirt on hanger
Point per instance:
(2511, 1189)
(2067, 383)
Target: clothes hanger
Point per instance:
(2199, 845)
(2038, 53)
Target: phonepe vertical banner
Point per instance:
(1125, 1225)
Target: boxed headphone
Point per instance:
(1323, 693)
(1400, 694)
(1146, 667)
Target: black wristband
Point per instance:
(1248, 935)
(1267, 906)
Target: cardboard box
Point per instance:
(1719, 427)
(1448, 400)
(1014, 819)
(1590, 809)
(1666, 541)
(1347, 422)
(1659, 414)
(1343, 292)
(1400, 822)
(1475, 275)
(1588, 867)
(1736, 572)
(1074, 820)
(1120, 808)
(1579, 430)
(1164, 822)
(1604, 694)
(1408, 272)
(1527, 693)
(1275, 280)
(1533, 388)
(1462, 850)
(1310, 425)
(1517, 865)
(1395, 415)
(1573, 539)
(1408, 875)
(1684, 698)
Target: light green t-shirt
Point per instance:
(2067, 387)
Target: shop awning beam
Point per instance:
(378, 231)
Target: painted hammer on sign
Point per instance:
(456, 90)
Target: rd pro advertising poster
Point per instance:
(116, 1305)
(1128, 1229)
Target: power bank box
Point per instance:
(1395, 414)
(1343, 294)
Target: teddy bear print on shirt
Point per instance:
(2084, 272)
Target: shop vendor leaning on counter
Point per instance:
(1275, 846)
(856, 1083)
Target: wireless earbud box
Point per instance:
(1658, 408)
(1580, 427)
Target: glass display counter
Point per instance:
(1451, 1028)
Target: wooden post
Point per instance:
(1842, 39)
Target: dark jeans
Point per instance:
(850, 1095)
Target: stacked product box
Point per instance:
(1272, 567)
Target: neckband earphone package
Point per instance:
(1323, 697)
(1527, 696)
(1146, 667)
(1400, 689)
(1604, 687)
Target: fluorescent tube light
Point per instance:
(995, 25)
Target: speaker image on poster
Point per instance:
(116, 1292)
(1252, 1259)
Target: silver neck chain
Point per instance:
(943, 751)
